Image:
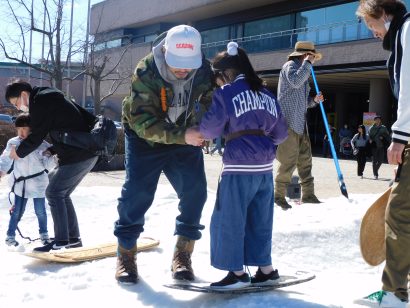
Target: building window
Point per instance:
(258, 28)
(114, 43)
(150, 38)
(331, 24)
(215, 35)
(268, 25)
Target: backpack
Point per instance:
(101, 139)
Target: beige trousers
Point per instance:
(398, 234)
(294, 153)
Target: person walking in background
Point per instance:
(28, 179)
(389, 21)
(359, 145)
(294, 100)
(345, 135)
(51, 111)
(205, 146)
(169, 94)
(218, 146)
(378, 137)
(326, 144)
(247, 114)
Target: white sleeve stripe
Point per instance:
(397, 132)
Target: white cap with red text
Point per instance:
(183, 47)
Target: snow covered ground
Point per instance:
(321, 238)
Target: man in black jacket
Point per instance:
(50, 110)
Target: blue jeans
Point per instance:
(63, 180)
(18, 211)
(183, 165)
(241, 223)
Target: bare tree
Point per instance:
(53, 28)
(104, 67)
(101, 69)
(98, 65)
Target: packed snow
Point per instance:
(319, 238)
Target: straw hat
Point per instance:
(304, 47)
(372, 231)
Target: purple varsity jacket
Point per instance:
(236, 108)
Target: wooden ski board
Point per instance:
(372, 231)
(82, 254)
(284, 281)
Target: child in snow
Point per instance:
(28, 179)
(247, 114)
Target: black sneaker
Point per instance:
(74, 243)
(57, 245)
(231, 281)
(265, 279)
(53, 245)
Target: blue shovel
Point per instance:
(332, 147)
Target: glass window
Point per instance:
(150, 37)
(268, 25)
(215, 35)
(331, 24)
(100, 46)
(114, 43)
(263, 28)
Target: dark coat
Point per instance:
(50, 110)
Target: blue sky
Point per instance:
(10, 33)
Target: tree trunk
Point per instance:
(97, 95)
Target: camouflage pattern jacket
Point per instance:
(145, 109)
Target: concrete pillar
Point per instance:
(380, 98)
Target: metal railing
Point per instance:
(351, 30)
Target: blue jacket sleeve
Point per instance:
(279, 132)
(214, 121)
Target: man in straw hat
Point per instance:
(294, 99)
(389, 21)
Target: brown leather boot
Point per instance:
(127, 271)
(181, 262)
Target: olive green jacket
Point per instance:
(143, 110)
(380, 135)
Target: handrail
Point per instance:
(284, 33)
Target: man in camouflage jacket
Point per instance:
(171, 88)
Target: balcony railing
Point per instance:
(324, 34)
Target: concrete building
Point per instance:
(351, 75)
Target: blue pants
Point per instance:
(241, 223)
(18, 211)
(183, 165)
(63, 180)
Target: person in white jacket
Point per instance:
(28, 179)
(390, 21)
